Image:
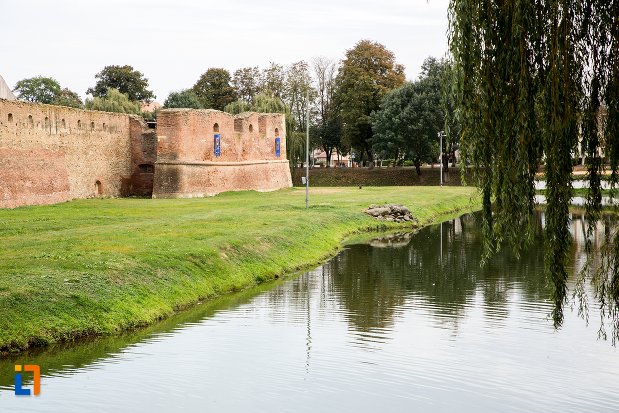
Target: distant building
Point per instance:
(150, 106)
(337, 160)
(5, 91)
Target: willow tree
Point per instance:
(533, 77)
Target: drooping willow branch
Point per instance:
(534, 79)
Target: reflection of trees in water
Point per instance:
(372, 283)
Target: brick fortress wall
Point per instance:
(51, 154)
(189, 165)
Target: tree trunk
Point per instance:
(418, 166)
(328, 152)
(370, 157)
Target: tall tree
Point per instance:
(126, 80)
(273, 80)
(246, 83)
(37, 89)
(329, 122)
(410, 117)
(214, 89)
(67, 97)
(297, 86)
(532, 77)
(367, 73)
(183, 99)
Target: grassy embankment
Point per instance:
(103, 265)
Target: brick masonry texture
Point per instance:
(188, 167)
(51, 154)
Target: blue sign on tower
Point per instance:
(217, 144)
(277, 147)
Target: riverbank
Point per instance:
(100, 266)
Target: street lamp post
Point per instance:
(440, 158)
(307, 155)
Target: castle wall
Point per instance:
(51, 153)
(188, 164)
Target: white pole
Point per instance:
(440, 135)
(307, 155)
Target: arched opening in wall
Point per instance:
(92, 126)
(98, 191)
(276, 131)
(104, 126)
(79, 124)
(216, 128)
(30, 121)
(251, 128)
(47, 123)
(63, 123)
(10, 117)
(146, 168)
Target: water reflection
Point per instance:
(437, 268)
(406, 321)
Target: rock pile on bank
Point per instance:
(390, 213)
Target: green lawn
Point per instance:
(99, 266)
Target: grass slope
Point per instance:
(99, 266)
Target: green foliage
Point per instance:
(237, 107)
(47, 90)
(298, 83)
(261, 103)
(126, 80)
(122, 263)
(114, 101)
(214, 89)
(266, 103)
(329, 123)
(246, 83)
(69, 98)
(37, 89)
(368, 73)
(409, 118)
(183, 99)
(273, 80)
(532, 79)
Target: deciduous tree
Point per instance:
(37, 89)
(246, 83)
(114, 101)
(367, 73)
(329, 125)
(532, 77)
(273, 80)
(69, 98)
(214, 89)
(126, 80)
(183, 99)
(410, 117)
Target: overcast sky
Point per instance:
(173, 41)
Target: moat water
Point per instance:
(401, 324)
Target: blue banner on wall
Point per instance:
(217, 144)
(277, 147)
